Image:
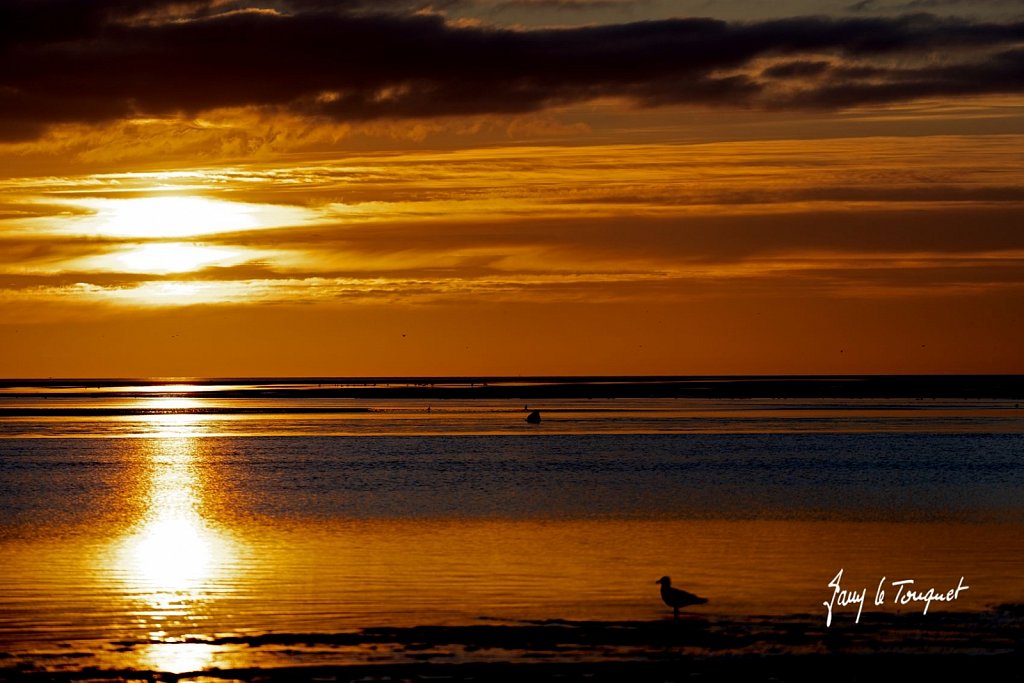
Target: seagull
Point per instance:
(677, 599)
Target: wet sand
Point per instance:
(942, 646)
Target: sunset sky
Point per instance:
(305, 187)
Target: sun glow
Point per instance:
(179, 293)
(161, 258)
(180, 216)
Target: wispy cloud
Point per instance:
(844, 217)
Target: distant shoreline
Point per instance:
(535, 387)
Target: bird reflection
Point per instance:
(173, 561)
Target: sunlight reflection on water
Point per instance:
(173, 561)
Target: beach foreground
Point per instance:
(937, 646)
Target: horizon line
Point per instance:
(477, 379)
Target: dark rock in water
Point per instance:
(534, 417)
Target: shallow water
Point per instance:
(156, 527)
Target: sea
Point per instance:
(141, 522)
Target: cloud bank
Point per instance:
(65, 61)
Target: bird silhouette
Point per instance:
(676, 598)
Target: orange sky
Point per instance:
(551, 188)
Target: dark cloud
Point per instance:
(49, 250)
(70, 61)
(708, 238)
(644, 195)
(559, 5)
(929, 5)
(1002, 72)
(798, 69)
(30, 22)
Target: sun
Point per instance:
(171, 216)
(175, 216)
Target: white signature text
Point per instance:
(906, 592)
